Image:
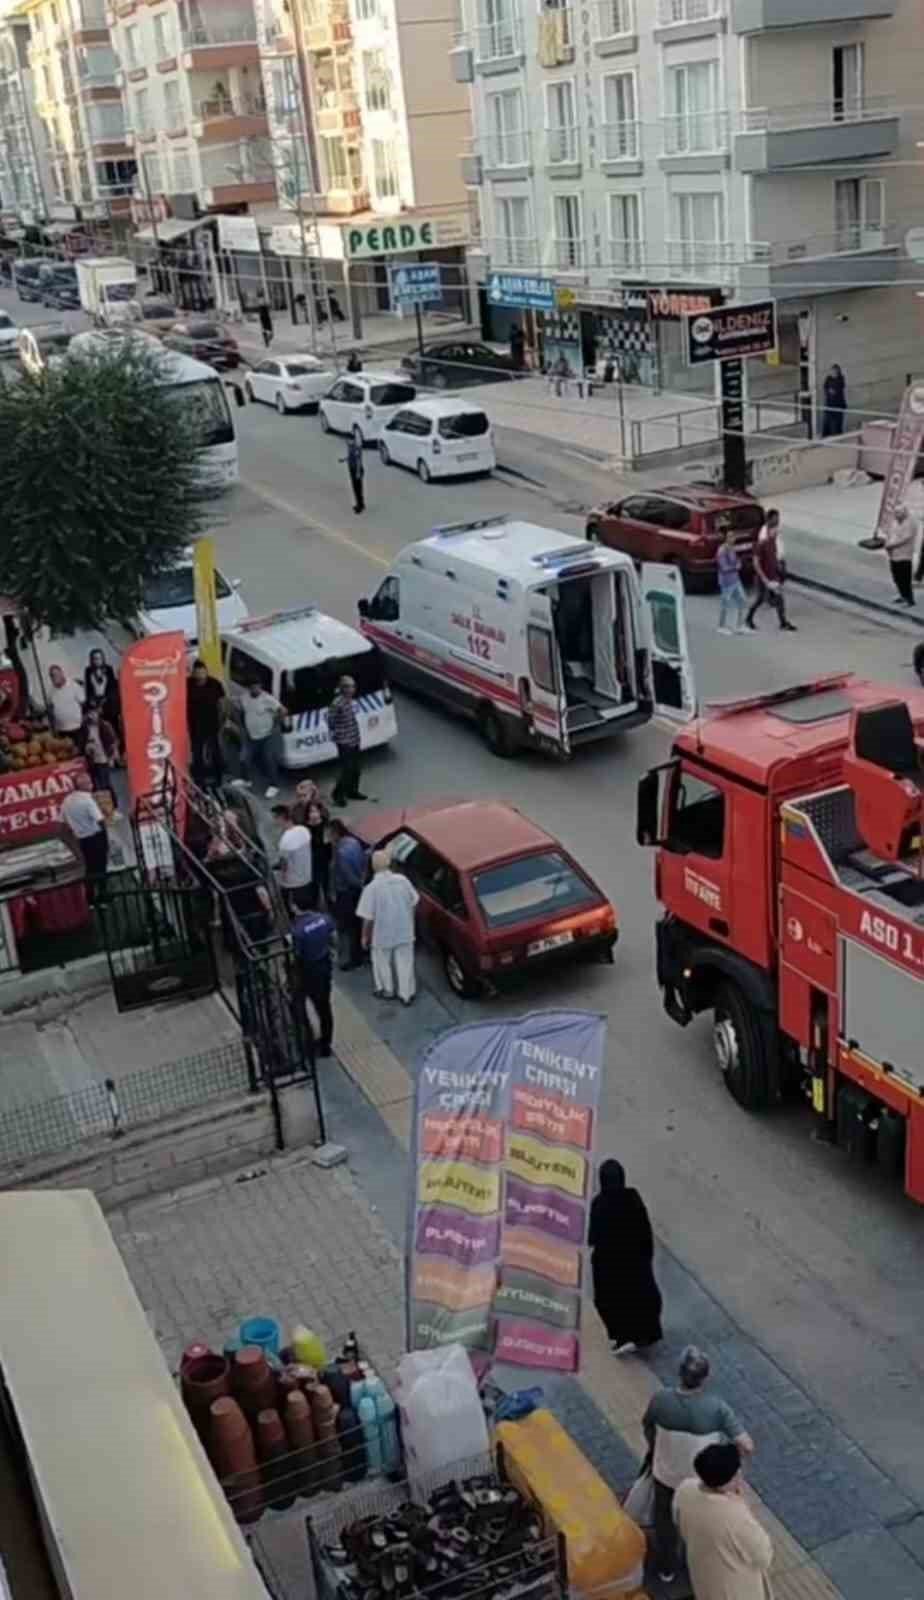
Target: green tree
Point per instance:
(98, 487)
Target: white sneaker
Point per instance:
(726, 631)
(241, 783)
(272, 792)
(626, 1349)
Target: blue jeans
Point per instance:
(262, 754)
(735, 596)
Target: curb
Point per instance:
(880, 607)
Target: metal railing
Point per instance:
(561, 145)
(700, 257)
(701, 424)
(511, 252)
(241, 31)
(679, 11)
(506, 149)
(568, 254)
(626, 255)
(695, 133)
(494, 41)
(817, 113)
(221, 106)
(843, 241)
(621, 141)
(614, 18)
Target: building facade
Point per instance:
(25, 180)
(653, 156)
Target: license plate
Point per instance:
(553, 942)
(469, 455)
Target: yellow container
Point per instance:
(307, 1347)
(606, 1550)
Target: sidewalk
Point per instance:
(380, 334)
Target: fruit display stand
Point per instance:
(41, 870)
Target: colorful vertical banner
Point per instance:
(505, 1120)
(152, 686)
(209, 645)
(907, 438)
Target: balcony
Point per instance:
(499, 46)
(615, 27)
(620, 147)
(706, 260)
(348, 199)
(563, 152)
(343, 118)
(507, 155)
(853, 257)
(333, 30)
(208, 47)
(695, 143)
(626, 257)
(555, 46)
(760, 16)
(513, 252)
(568, 254)
(223, 118)
(688, 19)
(815, 134)
(280, 39)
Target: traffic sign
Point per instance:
(524, 291)
(728, 332)
(416, 283)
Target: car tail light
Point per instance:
(506, 958)
(437, 448)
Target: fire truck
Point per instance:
(790, 868)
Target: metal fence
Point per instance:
(117, 1105)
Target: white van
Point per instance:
(439, 439)
(545, 640)
(298, 656)
(361, 403)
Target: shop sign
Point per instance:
(152, 685)
(728, 332)
(30, 801)
(403, 235)
(566, 299)
(670, 305)
(416, 284)
(238, 233)
(503, 1161)
(521, 290)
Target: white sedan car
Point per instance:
(9, 333)
(289, 382)
(361, 403)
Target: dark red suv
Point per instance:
(682, 526)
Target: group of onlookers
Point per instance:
(88, 710)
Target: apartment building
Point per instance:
(78, 107)
(24, 175)
(366, 120)
(656, 156)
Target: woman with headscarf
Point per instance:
(834, 413)
(626, 1296)
(101, 687)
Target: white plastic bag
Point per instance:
(639, 1503)
(442, 1419)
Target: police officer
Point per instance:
(312, 942)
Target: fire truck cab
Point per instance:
(790, 866)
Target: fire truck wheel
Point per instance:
(741, 1046)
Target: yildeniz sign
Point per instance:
(503, 1162)
(728, 332)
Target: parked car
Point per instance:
(153, 313)
(290, 383)
(499, 897)
(449, 366)
(439, 439)
(681, 526)
(204, 341)
(361, 403)
(26, 279)
(9, 333)
(60, 289)
(168, 602)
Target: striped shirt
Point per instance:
(342, 724)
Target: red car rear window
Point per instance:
(535, 887)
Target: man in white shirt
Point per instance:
(260, 713)
(82, 816)
(386, 910)
(66, 699)
(901, 540)
(295, 862)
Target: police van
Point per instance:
(543, 639)
(299, 656)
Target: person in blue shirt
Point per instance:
(350, 869)
(312, 942)
(731, 589)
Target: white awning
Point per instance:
(172, 228)
(57, 230)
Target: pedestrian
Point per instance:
(343, 727)
(356, 468)
(260, 714)
(834, 414)
(386, 910)
(770, 573)
(354, 363)
(728, 1552)
(83, 818)
(205, 704)
(731, 589)
(66, 698)
(294, 864)
(101, 688)
(312, 942)
(265, 319)
(560, 373)
(677, 1424)
(100, 748)
(350, 866)
(517, 347)
(316, 820)
(899, 546)
(626, 1295)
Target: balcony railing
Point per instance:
(507, 149)
(699, 133)
(221, 106)
(700, 258)
(498, 40)
(561, 145)
(621, 141)
(204, 34)
(627, 255)
(855, 236)
(614, 18)
(568, 254)
(142, 133)
(513, 252)
(817, 113)
(671, 12)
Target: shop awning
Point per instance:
(57, 230)
(172, 228)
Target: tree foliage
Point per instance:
(98, 488)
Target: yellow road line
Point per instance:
(335, 535)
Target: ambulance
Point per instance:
(544, 640)
(299, 656)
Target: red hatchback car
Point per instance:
(498, 895)
(681, 526)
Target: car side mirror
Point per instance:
(646, 812)
(363, 608)
(235, 583)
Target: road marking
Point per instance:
(335, 535)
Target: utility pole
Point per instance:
(307, 283)
(303, 118)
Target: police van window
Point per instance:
(697, 817)
(242, 670)
(541, 658)
(385, 605)
(313, 688)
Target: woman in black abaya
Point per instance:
(626, 1295)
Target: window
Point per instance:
(699, 226)
(384, 169)
(366, 10)
(620, 117)
(507, 141)
(141, 111)
(499, 34)
(107, 120)
(385, 605)
(439, 880)
(614, 18)
(338, 166)
(163, 36)
(626, 231)
(561, 121)
(153, 173)
(694, 121)
(173, 116)
(697, 820)
(377, 80)
(131, 46)
(536, 886)
(467, 425)
(541, 659)
(243, 670)
(859, 212)
(569, 245)
(670, 514)
(313, 688)
(515, 247)
(391, 394)
(271, 368)
(182, 173)
(848, 76)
